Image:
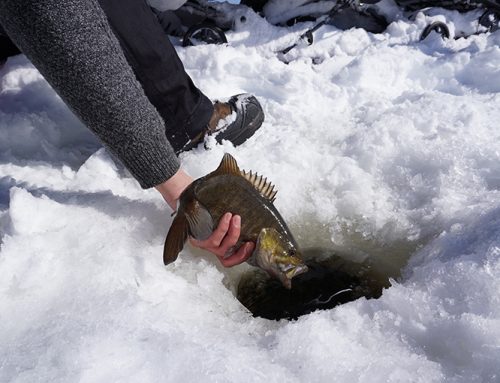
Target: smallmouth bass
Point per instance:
(228, 189)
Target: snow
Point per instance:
(379, 146)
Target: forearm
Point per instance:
(173, 187)
(72, 45)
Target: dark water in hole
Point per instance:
(331, 280)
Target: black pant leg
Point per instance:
(7, 47)
(185, 109)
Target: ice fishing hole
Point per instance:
(331, 280)
(361, 267)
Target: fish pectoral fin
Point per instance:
(201, 224)
(176, 238)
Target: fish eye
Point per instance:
(292, 252)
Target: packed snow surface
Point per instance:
(380, 146)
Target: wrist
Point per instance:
(172, 188)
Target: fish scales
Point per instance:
(241, 198)
(227, 189)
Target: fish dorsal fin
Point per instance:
(228, 165)
(260, 183)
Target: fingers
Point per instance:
(215, 239)
(219, 233)
(223, 240)
(224, 237)
(233, 233)
(243, 253)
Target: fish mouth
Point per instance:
(286, 277)
(301, 269)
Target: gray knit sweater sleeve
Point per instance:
(71, 43)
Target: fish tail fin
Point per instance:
(176, 237)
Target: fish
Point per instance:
(332, 280)
(249, 195)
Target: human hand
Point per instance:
(222, 241)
